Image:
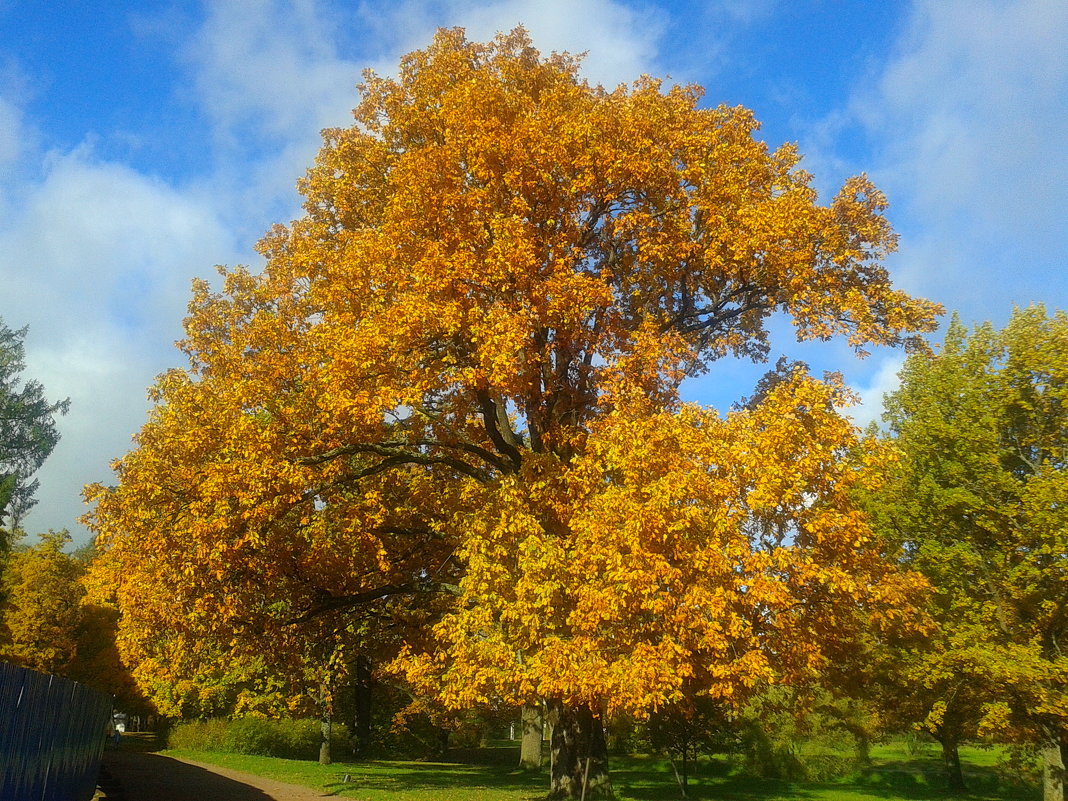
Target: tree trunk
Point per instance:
(579, 754)
(1064, 762)
(324, 727)
(1053, 765)
(324, 742)
(361, 729)
(530, 748)
(678, 778)
(443, 744)
(951, 760)
(685, 768)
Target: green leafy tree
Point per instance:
(27, 430)
(685, 730)
(979, 504)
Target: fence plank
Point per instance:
(51, 736)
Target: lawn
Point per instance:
(895, 773)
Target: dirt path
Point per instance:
(137, 776)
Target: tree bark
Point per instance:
(361, 729)
(324, 742)
(951, 760)
(325, 725)
(1053, 765)
(579, 754)
(1064, 762)
(679, 778)
(530, 748)
(685, 768)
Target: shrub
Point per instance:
(288, 739)
(198, 735)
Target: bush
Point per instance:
(798, 736)
(288, 739)
(198, 735)
(916, 743)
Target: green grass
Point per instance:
(895, 775)
(387, 780)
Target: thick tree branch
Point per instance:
(395, 455)
(495, 418)
(333, 603)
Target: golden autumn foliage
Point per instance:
(49, 624)
(699, 550)
(451, 398)
(41, 608)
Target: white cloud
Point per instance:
(106, 385)
(11, 133)
(745, 11)
(620, 40)
(270, 70)
(17, 134)
(982, 90)
(972, 114)
(98, 262)
(269, 75)
(885, 379)
(107, 244)
(100, 255)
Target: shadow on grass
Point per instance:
(653, 780)
(741, 788)
(905, 781)
(403, 776)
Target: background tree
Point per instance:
(939, 684)
(978, 504)
(42, 609)
(455, 389)
(49, 623)
(686, 730)
(27, 431)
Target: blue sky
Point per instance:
(143, 143)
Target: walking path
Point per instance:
(137, 776)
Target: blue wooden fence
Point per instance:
(51, 736)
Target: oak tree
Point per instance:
(453, 395)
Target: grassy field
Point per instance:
(895, 773)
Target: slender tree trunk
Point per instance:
(324, 741)
(951, 760)
(678, 777)
(1053, 765)
(361, 728)
(530, 748)
(685, 768)
(325, 726)
(579, 754)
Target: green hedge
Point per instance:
(288, 739)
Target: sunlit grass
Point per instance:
(895, 775)
(387, 780)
